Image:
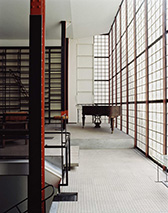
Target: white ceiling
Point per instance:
(87, 17)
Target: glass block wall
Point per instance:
(101, 69)
(142, 31)
(101, 72)
(138, 55)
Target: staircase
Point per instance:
(19, 83)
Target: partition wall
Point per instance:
(133, 58)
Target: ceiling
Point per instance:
(86, 17)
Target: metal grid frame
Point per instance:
(101, 69)
(142, 65)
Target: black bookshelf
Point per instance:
(14, 80)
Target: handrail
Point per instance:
(67, 138)
(48, 185)
(67, 141)
(16, 205)
(52, 132)
(66, 165)
(64, 145)
(66, 168)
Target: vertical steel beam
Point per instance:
(43, 105)
(127, 98)
(164, 80)
(4, 69)
(147, 80)
(36, 107)
(109, 65)
(112, 64)
(67, 49)
(120, 72)
(63, 67)
(116, 65)
(49, 84)
(135, 77)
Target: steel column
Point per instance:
(135, 76)
(164, 81)
(120, 72)
(126, 23)
(49, 84)
(63, 67)
(147, 81)
(109, 64)
(36, 180)
(116, 64)
(112, 63)
(67, 49)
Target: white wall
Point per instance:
(80, 71)
(80, 75)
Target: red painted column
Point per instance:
(43, 106)
(127, 94)
(164, 81)
(116, 66)
(37, 10)
(120, 72)
(147, 80)
(135, 75)
(109, 66)
(112, 93)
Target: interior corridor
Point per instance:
(112, 176)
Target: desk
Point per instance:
(98, 111)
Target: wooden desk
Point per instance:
(98, 111)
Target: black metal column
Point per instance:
(63, 65)
(34, 181)
(67, 46)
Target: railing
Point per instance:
(16, 206)
(65, 145)
(65, 165)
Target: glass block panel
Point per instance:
(155, 128)
(154, 20)
(140, 30)
(155, 71)
(141, 126)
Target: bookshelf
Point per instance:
(14, 80)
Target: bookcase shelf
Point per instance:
(14, 80)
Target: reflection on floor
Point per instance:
(112, 176)
(14, 149)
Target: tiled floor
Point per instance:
(116, 179)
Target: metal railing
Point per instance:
(16, 206)
(65, 165)
(65, 155)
